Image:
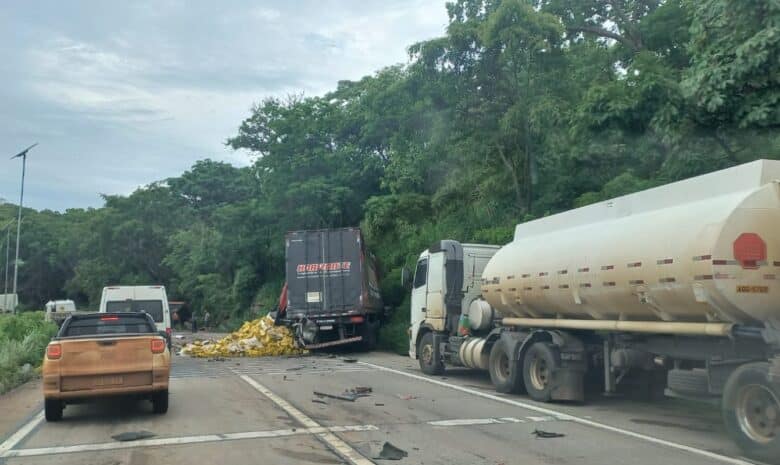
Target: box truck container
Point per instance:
(331, 296)
(681, 280)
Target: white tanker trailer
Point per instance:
(682, 278)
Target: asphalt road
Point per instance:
(242, 411)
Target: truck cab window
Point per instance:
(421, 273)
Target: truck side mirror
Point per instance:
(406, 278)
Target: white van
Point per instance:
(150, 299)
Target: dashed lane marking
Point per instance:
(105, 446)
(334, 442)
(565, 416)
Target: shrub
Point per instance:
(23, 340)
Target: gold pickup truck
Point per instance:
(105, 354)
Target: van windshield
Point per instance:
(152, 307)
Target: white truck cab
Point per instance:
(150, 299)
(443, 278)
(58, 310)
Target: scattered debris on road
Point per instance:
(391, 452)
(349, 360)
(406, 396)
(546, 434)
(319, 401)
(257, 338)
(349, 395)
(133, 435)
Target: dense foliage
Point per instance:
(522, 109)
(23, 339)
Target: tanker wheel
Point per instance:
(751, 411)
(539, 365)
(430, 360)
(503, 373)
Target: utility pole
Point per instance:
(7, 260)
(23, 156)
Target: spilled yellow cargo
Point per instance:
(257, 338)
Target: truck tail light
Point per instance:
(109, 318)
(54, 351)
(356, 319)
(158, 346)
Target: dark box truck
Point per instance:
(332, 290)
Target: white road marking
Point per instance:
(340, 447)
(566, 416)
(20, 434)
(475, 421)
(545, 418)
(182, 440)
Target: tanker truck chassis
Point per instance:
(679, 282)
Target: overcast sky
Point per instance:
(120, 94)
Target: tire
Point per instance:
(751, 412)
(53, 409)
(503, 373)
(370, 333)
(160, 402)
(688, 381)
(540, 364)
(430, 361)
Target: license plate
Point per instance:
(326, 327)
(110, 380)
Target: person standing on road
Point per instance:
(206, 320)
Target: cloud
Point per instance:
(124, 94)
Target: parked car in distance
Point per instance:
(98, 355)
(150, 299)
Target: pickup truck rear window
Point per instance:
(152, 307)
(108, 324)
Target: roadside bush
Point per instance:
(392, 335)
(23, 340)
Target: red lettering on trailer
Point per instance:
(317, 267)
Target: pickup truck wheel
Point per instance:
(430, 360)
(53, 409)
(751, 411)
(160, 402)
(503, 373)
(539, 365)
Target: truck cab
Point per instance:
(446, 281)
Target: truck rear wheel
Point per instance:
(160, 402)
(503, 373)
(539, 365)
(53, 409)
(430, 359)
(751, 411)
(370, 334)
